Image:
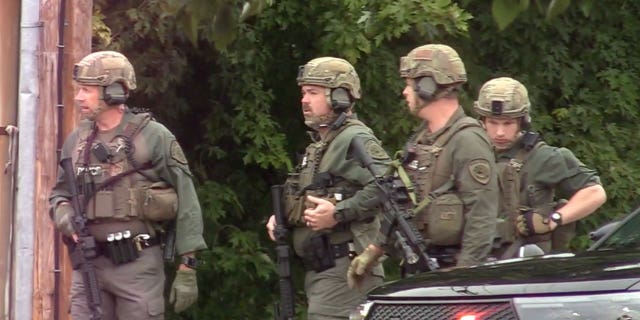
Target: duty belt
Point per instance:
(121, 249)
(334, 252)
(340, 250)
(444, 254)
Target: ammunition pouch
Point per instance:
(157, 202)
(101, 204)
(295, 198)
(293, 201)
(320, 254)
(443, 221)
(125, 250)
(120, 251)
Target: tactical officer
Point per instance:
(449, 163)
(331, 200)
(134, 180)
(533, 176)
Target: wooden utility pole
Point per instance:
(10, 31)
(77, 43)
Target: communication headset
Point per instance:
(340, 100)
(497, 108)
(425, 87)
(114, 94)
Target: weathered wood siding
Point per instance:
(77, 43)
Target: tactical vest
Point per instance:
(306, 180)
(112, 183)
(319, 249)
(517, 195)
(438, 210)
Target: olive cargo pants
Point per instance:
(329, 295)
(130, 291)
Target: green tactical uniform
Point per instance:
(327, 170)
(534, 177)
(543, 175)
(457, 163)
(137, 287)
(358, 225)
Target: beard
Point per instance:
(323, 121)
(94, 113)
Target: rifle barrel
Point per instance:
(406, 234)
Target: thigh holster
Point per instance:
(320, 253)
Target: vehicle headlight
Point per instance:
(361, 312)
(600, 306)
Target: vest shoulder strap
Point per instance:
(524, 153)
(514, 177)
(463, 123)
(348, 127)
(135, 124)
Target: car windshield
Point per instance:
(626, 236)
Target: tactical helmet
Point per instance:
(503, 98)
(437, 61)
(332, 73)
(103, 68)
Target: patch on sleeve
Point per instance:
(480, 170)
(176, 153)
(375, 150)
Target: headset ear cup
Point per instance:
(525, 122)
(426, 87)
(340, 100)
(114, 94)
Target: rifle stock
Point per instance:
(285, 310)
(85, 248)
(407, 239)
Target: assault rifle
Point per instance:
(285, 310)
(394, 196)
(85, 249)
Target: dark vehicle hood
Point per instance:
(588, 272)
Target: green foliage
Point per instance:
(582, 76)
(221, 75)
(506, 11)
(557, 7)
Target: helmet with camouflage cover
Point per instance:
(503, 97)
(437, 61)
(330, 72)
(104, 68)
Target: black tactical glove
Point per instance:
(531, 223)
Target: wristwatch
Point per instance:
(190, 262)
(556, 217)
